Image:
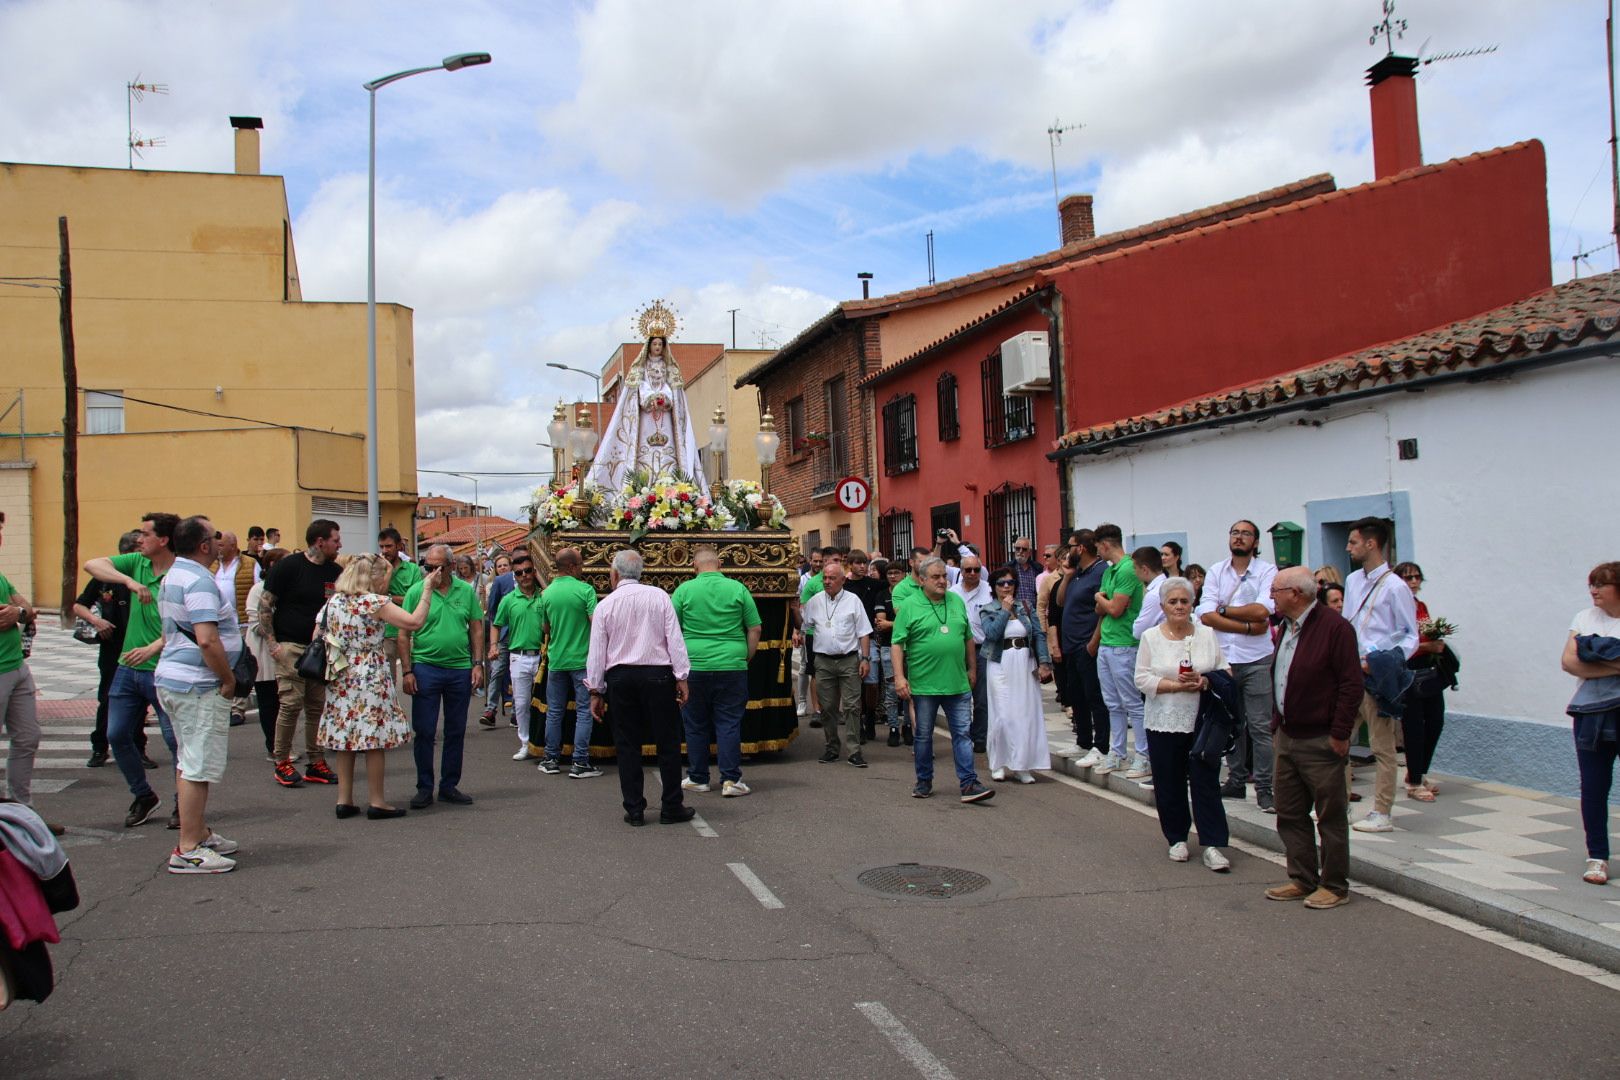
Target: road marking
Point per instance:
(752, 883)
(904, 1042)
(703, 828)
(1590, 972)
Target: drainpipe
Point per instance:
(1050, 304)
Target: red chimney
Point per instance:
(1075, 215)
(1396, 146)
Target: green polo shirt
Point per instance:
(525, 618)
(11, 657)
(936, 662)
(715, 613)
(443, 640)
(145, 624)
(568, 604)
(400, 581)
(904, 593)
(1121, 578)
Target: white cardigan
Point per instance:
(1157, 657)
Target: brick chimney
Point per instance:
(1396, 146)
(247, 144)
(1075, 214)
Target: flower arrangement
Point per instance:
(571, 506)
(1437, 628)
(751, 506)
(665, 503)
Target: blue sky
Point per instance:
(756, 154)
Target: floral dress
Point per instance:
(361, 711)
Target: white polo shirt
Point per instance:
(839, 622)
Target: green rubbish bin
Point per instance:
(1287, 544)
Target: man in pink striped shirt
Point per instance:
(638, 663)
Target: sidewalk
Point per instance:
(1503, 857)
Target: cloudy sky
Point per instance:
(757, 154)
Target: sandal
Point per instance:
(1431, 785)
(1597, 872)
(1420, 793)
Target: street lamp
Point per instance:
(582, 440)
(451, 63)
(478, 520)
(596, 378)
(557, 429)
(766, 442)
(717, 440)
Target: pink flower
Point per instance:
(635, 502)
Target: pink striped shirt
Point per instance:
(634, 624)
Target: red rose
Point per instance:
(684, 497)
(628, 515)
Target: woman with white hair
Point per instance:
(1172, 663)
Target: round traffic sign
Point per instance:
(853, 493)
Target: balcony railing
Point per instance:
(832, 463)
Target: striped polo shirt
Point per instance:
(188, 597)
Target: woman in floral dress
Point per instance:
(361, 714)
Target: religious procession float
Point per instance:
(646, 488)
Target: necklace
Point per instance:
(944, 626)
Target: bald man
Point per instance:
(721, 624)
(841, 635)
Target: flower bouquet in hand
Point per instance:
(1436, 629)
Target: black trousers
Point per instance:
(1091, 727)
(1423, 718)
(642, 709)
(269, 706)
(107, 663)
(1176, 780)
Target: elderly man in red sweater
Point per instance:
(1317, 682)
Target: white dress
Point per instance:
(1017, 736)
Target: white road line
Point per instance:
(752, 883)
(1589, 972)
(703, 828)
(904, 1042)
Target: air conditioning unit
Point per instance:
(1026, 366)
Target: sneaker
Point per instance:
(1092, 759)
(142, 809)
(1234, 789)
(1108, 764)
(523, 755)
(1024, 776)
(1267, 804)
(319, 772)
(1597, 872)
(894, 736)
(1374, 822)
(576, 771)
(923, 790)
(1138, 768)
(905, 734)
(816, 722)
(733, 788)
(550, 766)
(828, 756)
(286, 775)
(99, 758)
(1216, 861)
(487, 718)
(238, 718)
(219, 845)
(692, 785)
(857, 760)
(977, 792)
(199, 860)
(998, 775)
(1179, 852)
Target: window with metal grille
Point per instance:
(841, 537)
(793, 426)
(1009, 512)
(949, 428)
(900, 434)
(895, 535)
(1006, 419)
(837, 450)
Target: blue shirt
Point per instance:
(188, 597)
(498, 589)
(1080, 606)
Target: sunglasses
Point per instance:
(523, 570)
(970, 569)
(1006, 581)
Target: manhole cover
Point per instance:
(916, 879)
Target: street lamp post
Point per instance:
(596, 378)
(451, 63)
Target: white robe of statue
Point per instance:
(651, 427)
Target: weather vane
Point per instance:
(1391, 28)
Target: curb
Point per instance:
(1520, 919)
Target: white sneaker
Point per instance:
(219, 845)
(199, 860)
(1108, 764)
(1025, 776)
(690, 785)
(733, 788)
(1374, 822)
(998, 775)
(1216, 861)
(1092, 759)
(523, 755)
(1179, 852)
(1139, 767)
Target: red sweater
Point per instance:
(1325, 682)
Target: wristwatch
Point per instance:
(1221, 611)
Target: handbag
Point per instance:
(312, 665)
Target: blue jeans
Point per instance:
(980, 728)
(1597, 777)
(132, 691)
(559, 685)
(1116, 670)
(959, 716)
(715, 703)
(451, 690)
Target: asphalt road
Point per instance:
(536, 931)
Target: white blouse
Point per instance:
(1158, 657)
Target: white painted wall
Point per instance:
(1507, 517)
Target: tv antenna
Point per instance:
(137, 91)
(1054, 136)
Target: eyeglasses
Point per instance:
(1019, 547)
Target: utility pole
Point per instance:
(1614, 145)
(70, 432)
(733, 326)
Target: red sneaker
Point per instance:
(318, 772)
(287, 775)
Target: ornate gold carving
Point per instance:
(767, 563)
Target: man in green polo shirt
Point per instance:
(720, 623)
(567, 606)
(132, 690)
(935, 668)
(1119, 601)
(911, 586)
(443, 663)
(403, 575)
(520, 615)
(19, 714)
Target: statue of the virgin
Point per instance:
(651, 427)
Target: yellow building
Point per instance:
(207, 383)
(715, 385)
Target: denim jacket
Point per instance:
(994, 619)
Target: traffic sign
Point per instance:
(853, 493)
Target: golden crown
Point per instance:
(657, 319)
